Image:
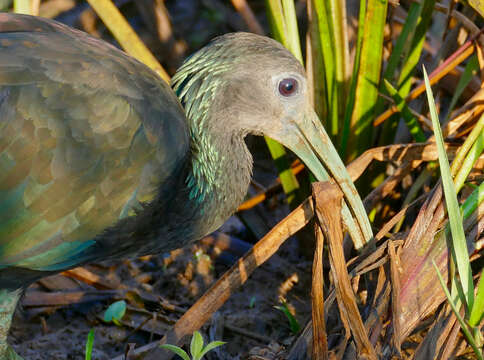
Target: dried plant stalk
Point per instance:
(329, 218)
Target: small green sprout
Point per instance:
(197, 350)
(293, 324)
(115, 312)
(89, 344)
(252, 302)
(200, 255)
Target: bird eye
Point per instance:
(288, 87)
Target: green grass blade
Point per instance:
(337, 22)
(473, 201)
(330, 16)
(407, 52)
(315, 65)
(477, 312)
(282, 17)
(368, 77)
(275, 14)
(401, 48)
(327, 41)
(476, 139)
(292, 32)
(283, 20)
(399, 54)
(470, 70)
(424, 21)
(22, 7)
(459, 245)
(402, 45)
(210, 347)
(462, 323)
(338, 12)
(89, 344)
(468, 143)
(456, 290)
(410, 120)
(126, 36)
(354, 80)
(289, 183)
(467, 209)
(177, 350)
(293, 323)
(5, 5)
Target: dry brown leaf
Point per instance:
(320, 342)
(329, 217)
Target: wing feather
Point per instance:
(86, 134)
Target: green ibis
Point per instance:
(100, 159)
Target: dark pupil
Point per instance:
(287, 87)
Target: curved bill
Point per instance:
(313, 146)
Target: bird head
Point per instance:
(245, 83)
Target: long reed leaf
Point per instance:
(125, 35)
(353, 82)
(470, 70)
(468, 153)
(337, 13)
(423, 23)
(289, 183)
(459, 247)
(397, 57)
(473, 201)
(275, 14)
(327, 41)
(292, 33)
(473, 155)
(330, 16)
(477, 313)
(368, 77)
(282, 17)
(410, 120)
(22, 7)
(315, 65)
(402, 45)
(462, 323)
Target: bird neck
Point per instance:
(221, 165)
(220, 173)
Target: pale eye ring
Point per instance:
(288, 87)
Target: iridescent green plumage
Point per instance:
(83, 138)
